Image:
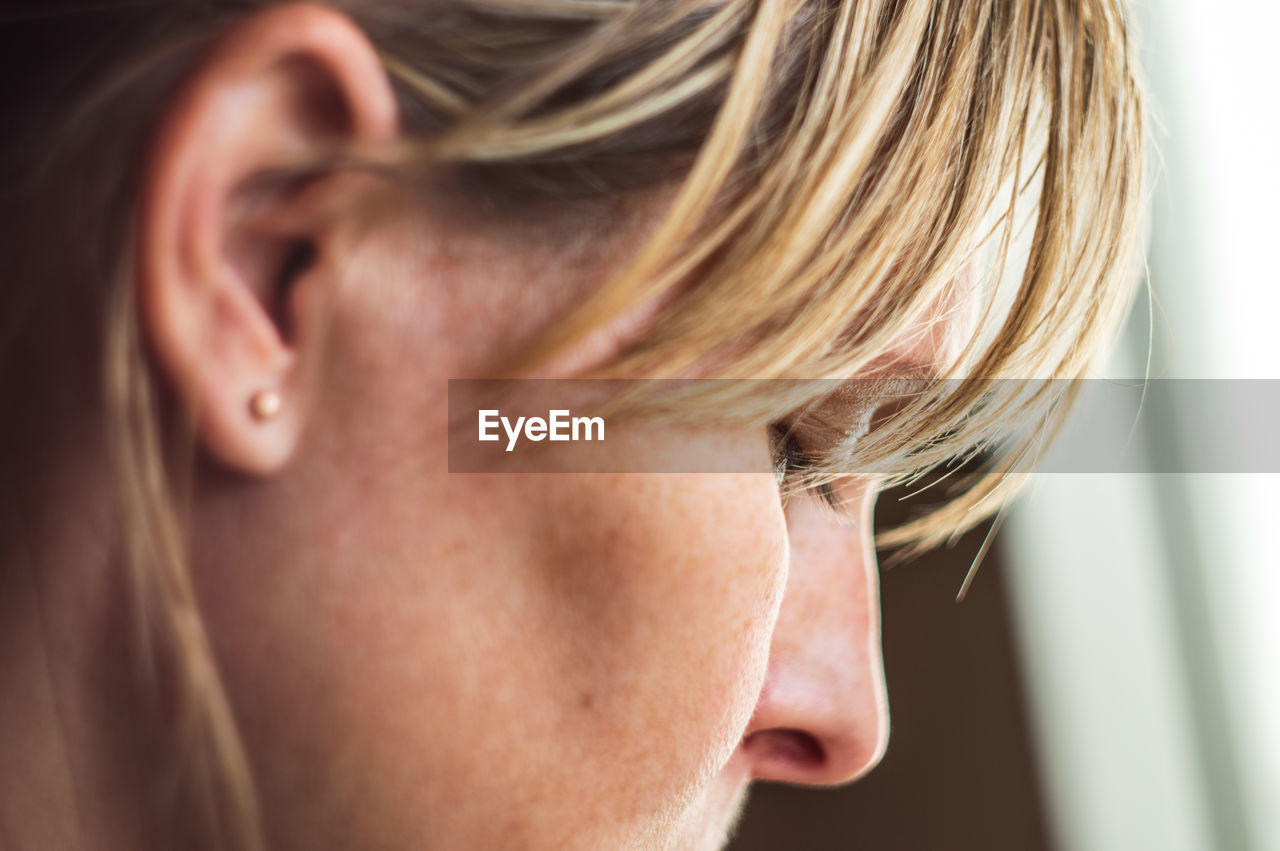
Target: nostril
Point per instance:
(785, 752)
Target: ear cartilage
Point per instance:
(264, 404)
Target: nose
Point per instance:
(822, 717)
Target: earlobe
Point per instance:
(231, 267)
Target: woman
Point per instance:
(246, 603)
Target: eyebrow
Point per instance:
(909, 365)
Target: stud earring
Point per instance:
(264, 404)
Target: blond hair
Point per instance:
(837, 165)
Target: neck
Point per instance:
(73, 719)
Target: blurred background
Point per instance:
(1112, 680)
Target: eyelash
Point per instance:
(790, 460)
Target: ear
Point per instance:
(231, 270)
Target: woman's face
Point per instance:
(421, 659)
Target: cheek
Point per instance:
(583, 651)
(498, 661)
(664, 591)
(627, 620)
